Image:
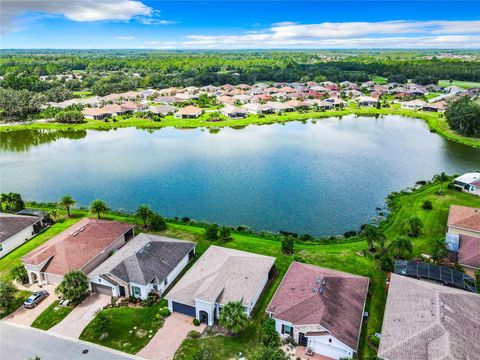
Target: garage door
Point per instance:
(102, 289)
(183, 309)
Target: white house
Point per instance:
(146, 263)
(413, 104)
(219, 277)
(469, 182)
(16, 229)
(321, 309)
(366, 101)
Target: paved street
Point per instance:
(22, 343)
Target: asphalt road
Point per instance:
(23, 343)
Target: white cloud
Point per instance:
(386, 34)
(13, 11)
(124, 37)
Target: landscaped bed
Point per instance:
(127, 328)
(52, 315)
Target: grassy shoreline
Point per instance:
(435, 122)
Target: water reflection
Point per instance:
(24, 140)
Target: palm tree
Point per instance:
(373, 235)
(67, 202)
(233, 317)
(144, 214)
(414, 226)
(439, 249)
(400, 245)
(98, 207)
(441, 178)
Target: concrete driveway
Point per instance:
(74, 323)
(26, 317)
(168, 339)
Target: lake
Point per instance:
(320, 178)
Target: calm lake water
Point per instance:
(319, 178)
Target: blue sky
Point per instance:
(239, 24)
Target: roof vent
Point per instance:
(75, 233)
(314, 290)
(318, 281)
(81, 229)
(324, 282)
(321, 290)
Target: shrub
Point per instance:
(157, 223)
(225, 234)
(349, 234)
(196, 322)
(386, 263)
(288, 245)
(69, 117)
(164, 312)
(427, 205)
(193, 334)
(211, 234)
(101, 322)
(269, 334)
(7, 294)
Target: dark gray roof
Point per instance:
(145, 258)
(33, 212)
(12, 224)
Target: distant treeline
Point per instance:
(165, 69)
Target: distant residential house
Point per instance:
(297, 104)
(168, 100)
(463, 236)
(225, 99)
(413, 104)
(220, 276)
(16, 229)
(424, 321)
(279, 106)
(115, 110)
(454, 90)
(93, 113)
(321, 104)
(131, 95)
(336, 102)
(366, 101)
(133, 106)
(321, 309)
(111, 97)
(189, 112)
(243, 87)
(353, 93)
(243, 98)
(146, 263)
(209, 89)
(163, 109)
(83, 246)
(258, 108)
(149, 92)
(234, 112)
(439, 106)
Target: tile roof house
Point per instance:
(425, 320)
(189, 112)
(322, 309)
(83, 246)
(16, 229)
(220, 276)
(146, 263)
(463, 236)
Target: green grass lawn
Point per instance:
(380, 80)
(14, 258)
(434, 220)
(462, 84)
(128, 329)
(20, 298)
(84, 93)
(51, 316)
(433, 95)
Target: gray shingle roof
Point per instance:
(145, 258)
(223, 275)
(12, 224)
(425, 320)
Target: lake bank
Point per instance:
(435, 121)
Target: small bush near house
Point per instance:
(427, 205)
(349, 234)
(152, 299)
(101, 323)
(269, 334)
(19, 273)
(266, 353)
(288, 244)
(225, 234)
(193, 334)
(164, 312)
(196, 322)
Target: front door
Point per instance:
(122, 290)
(203, 317)
(302, 339)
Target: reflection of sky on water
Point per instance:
(318, 178)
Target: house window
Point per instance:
(165, 282)
(1, 247)
(137, 292)
(287, 329)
